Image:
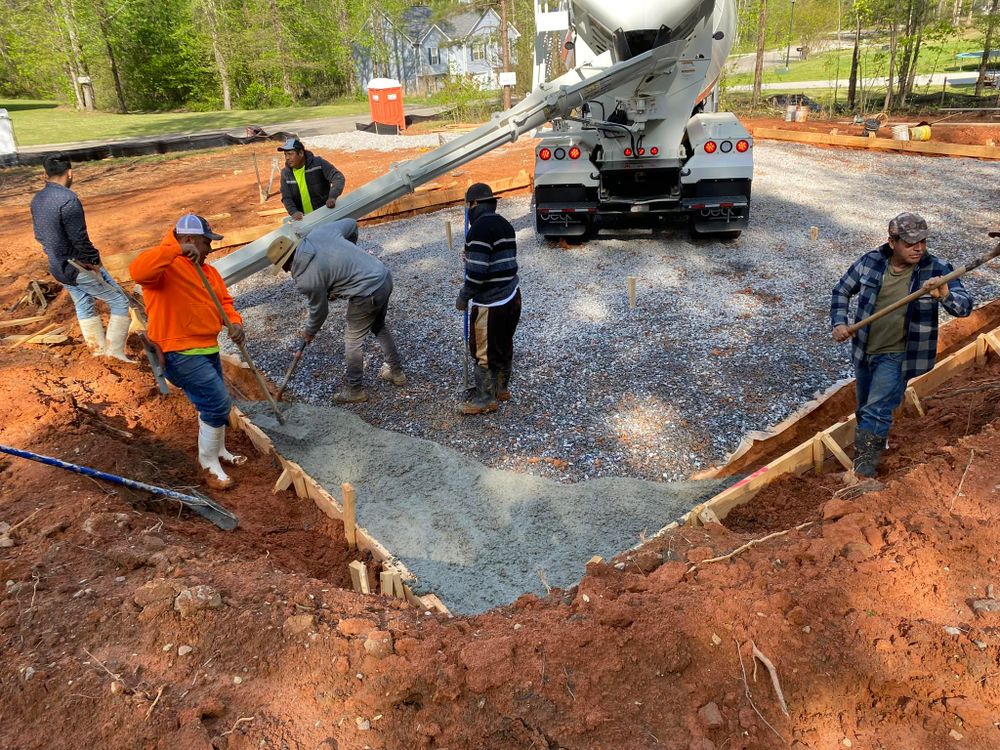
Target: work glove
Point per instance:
(461, 303)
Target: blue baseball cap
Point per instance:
(292, 144)
(193, 224)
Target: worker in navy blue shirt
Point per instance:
(61, 229)
(491, 297)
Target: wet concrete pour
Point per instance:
(476, 537)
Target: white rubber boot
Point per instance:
(209, 440)
(93, 335)
(233, 459)
(117, 335)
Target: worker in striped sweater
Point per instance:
(491, 297)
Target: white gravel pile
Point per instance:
(727, 337)
(361, 140)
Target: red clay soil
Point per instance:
(969, 133)
(107, 643)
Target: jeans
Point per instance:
(491, 333)
(88, 290)
(880, 389)
(200, 377)
(367, 315)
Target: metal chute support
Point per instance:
(557, 98)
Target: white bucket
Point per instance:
(802, 113)
(901, 132)
(790, 112)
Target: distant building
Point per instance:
(421, 53)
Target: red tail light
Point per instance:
(710, 147)
(574, 152)
(544, 154)
(642, 152)
(742, 145)
(654, 151)
(628, 152)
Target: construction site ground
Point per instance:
(879, 616)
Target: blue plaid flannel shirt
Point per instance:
(864, 280)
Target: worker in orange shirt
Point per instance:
(185, 324)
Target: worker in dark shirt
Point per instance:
(61, 229)
(307, 181)
(491, 297)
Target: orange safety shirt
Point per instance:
(181, 313)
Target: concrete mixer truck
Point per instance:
(626, 146)
(646, 152)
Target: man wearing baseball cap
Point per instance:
(307, 181)
(184, 323)
(491, 297)
(327, 264)
(900, 345)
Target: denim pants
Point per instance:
(880, 389)
(88, 290)
(200, 377)
(367, 315)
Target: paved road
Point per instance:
(937, 79)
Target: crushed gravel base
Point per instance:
(727, 337)
(364, 141)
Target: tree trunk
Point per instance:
(758, 68)
(211, 15)
(77, 66)
(893, 42)
(282, 49)
(105, 27)
(987, 47)
(852, 84)
(505, 50)
(908, 91)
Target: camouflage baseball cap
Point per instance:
(910, 228)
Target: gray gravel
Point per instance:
(728, 337)
(363, 141)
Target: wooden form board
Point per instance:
(295, 477)
(932, 148)
(812, 454)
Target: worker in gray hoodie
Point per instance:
(327, 264)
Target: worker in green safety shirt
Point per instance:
(307, 181)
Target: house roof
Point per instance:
(416, 23)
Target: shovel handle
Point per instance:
(921, 292)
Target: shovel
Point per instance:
(988, 256)
(465, 313)
(203, 506)
(291, 369)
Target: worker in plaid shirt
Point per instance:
(900, 345)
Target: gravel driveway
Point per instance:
(727, 337)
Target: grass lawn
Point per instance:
(934, 58)
(37, 122)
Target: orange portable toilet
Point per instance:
(385, 97)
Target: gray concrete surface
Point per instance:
(476, 537)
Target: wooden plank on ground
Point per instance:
(359, 577)
(21, 321)
(32, 336)
(49, 338)
(283, 483)
(434, 604)
(931, 148)
(323, 499)
(993, 341)
(914, 401)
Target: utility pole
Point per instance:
(505, 50)
(791, 21)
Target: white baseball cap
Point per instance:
(193, 224)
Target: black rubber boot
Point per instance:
(868, 448)
(483, 399)
(503, 385)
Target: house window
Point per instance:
(433, 55)
(478, 52)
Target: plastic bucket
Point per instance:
(901, 132)
(790, 110)
(801, 113)
(920, 133)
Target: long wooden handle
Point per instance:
(242, 347)
(921, 292)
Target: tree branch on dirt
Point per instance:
(774, 676)
(958, 491)
(241, 720)
(746, 690)
(751, 543)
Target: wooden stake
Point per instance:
(283, 483)
(630, 287)
(350, 522)
(814, 233)
(359, 577)
(914, 401)
(837, 452)
(819, 453)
